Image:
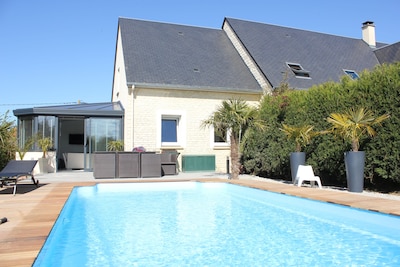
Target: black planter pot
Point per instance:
(355, 162)
(296, 159)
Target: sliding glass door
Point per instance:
(98, 133)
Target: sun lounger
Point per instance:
(15, 170)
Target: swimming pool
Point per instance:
(214, 224)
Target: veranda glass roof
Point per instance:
(108, 109)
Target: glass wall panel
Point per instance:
(99, 132)
(25, 131)
(103, 130)
(46, 126)
(34, 127)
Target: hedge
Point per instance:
(267, 153)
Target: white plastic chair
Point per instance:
(306, 173)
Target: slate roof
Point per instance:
(323, 55)
(178, 56)
(389, 53)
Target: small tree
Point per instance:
(117, 145)
(7, 139)
(354, 124)
(301, 135)
(22, 150)
(238, 117)
(45, 144)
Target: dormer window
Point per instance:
(352, 74)
(298, 70)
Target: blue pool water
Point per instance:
(214, 224)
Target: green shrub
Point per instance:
(7, 140)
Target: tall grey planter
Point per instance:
(296, 159)
(355, 162)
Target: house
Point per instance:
(168, 78)
(171, 77)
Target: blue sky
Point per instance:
(54, 52)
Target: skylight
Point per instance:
(298, 70)
(352, 74)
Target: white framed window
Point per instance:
(219, 141)
(298, 70)
(171, 129)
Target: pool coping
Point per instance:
(31, 215)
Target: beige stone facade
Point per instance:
(143, 121)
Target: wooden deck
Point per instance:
(32, 212)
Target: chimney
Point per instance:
(368, 33)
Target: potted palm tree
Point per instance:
(301, 135)
(44, 144)
(22, 150)
(353, 125)
(117, 145)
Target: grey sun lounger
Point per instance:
(15, 170)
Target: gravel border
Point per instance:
(332, 188)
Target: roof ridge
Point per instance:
(293, 28)
(169, 23)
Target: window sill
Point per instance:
(171, 147)
(222, 147)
